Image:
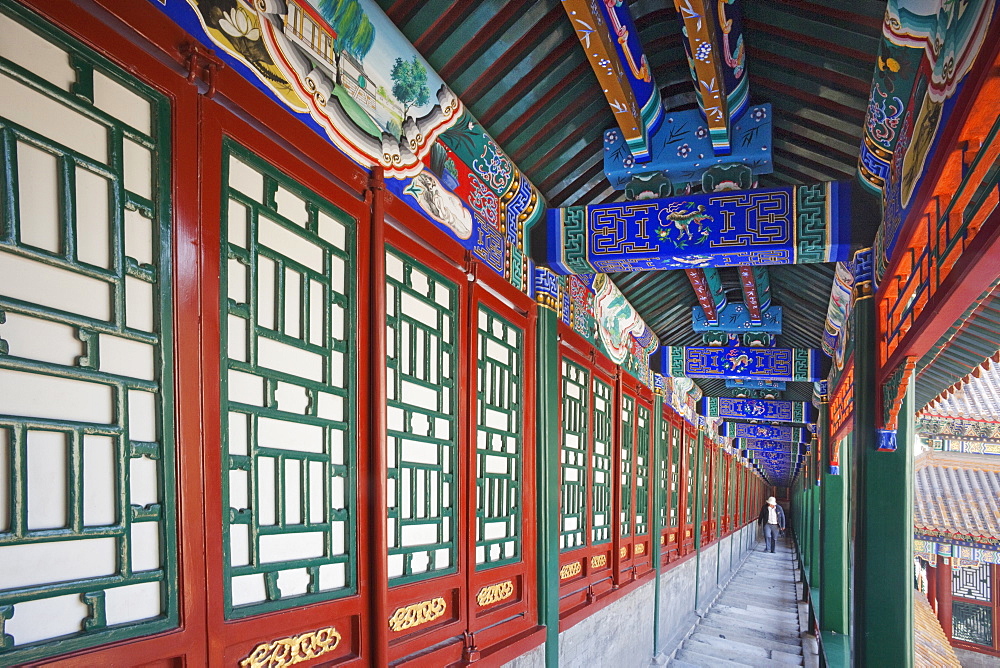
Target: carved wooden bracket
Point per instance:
(201, 64)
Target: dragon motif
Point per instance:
(682, 217)
(737, 362)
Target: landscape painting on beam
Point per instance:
(781, 364)
(758, 409)
(343, 68)
(789, 225)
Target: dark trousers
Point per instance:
(770, 535)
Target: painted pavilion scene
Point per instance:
(507, 333)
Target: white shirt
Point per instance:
(772, 515)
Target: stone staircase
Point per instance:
(755, 621)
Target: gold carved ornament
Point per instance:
(569, 570)
(289, 651)
(495, 593)
(623, 552)
(640, 548)
(598, 560)
(417, 613)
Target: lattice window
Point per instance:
(288, 392)
(663, 471)
(675, 471)
(627, 453)
(642, 432)
(689, 481)
(573, 456)
(601, 464)
(972, 623)
(498, 444)
(422, 420)
(973, 582)
(706, 480)
(87, 520)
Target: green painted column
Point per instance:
(658, 500)
(699, 498)
(816, 489)
(883, 575)
(547, 468)
(834, 604)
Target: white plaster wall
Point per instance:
(619, 635)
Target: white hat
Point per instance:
(772, 500)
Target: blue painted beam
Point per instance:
(766, 445)
(788, 225)
(755, 384)
(758, 409)
(766, 432)
(682, 153)
(781, 364)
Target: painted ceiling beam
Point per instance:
(771, 446)
(610, 41)
(758, 409)
(756, 292)
(766, 432)
(713, 40)
(682, 153)
(735, 318)
(781, 364)
(787, 225)
(736, 383)
(708, 289)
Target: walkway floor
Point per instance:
(755, 620)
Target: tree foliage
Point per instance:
(409, 83)
(355, 33)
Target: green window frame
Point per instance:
(600, 461)
(288, 430)
(574, 437)
(137, 438)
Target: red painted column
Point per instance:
(944, 594)
(932, 576)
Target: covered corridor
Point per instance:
(396, 333)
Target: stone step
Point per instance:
(740, 652)
(785, 629)
(722, 625)
(754, 608)
(747, 637)
(708, 660)
(760, 613)
(679, 663)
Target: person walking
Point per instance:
(772, 519)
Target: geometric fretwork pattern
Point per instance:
(663, 472)
(422, 363)
(87, 548)
(690, 463)
(498, 444)
(972, 623)
(642, 471)
(627, 447)
(600, 531)
(675, 470)
(973, 582)
(288, 391)
(573, 456)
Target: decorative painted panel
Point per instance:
(758, 409)
(643, 430)
(972, 622)
(345, 71)
(88, 547)
(682, 152)
(973, 582)
(422, 420)
(766, 432)
(627, 455)
(288, 393)
(788, 225)
(735, 317)
(601, 485)
(780, 364)
(498, 440)
(573, 456)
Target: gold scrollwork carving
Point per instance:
(598, 560)
(569, 570)
(623, 552)
(640, 548)
(289, 651)
(416, 614)
(663, 540)
(494, 593)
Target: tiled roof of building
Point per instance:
(974, 397)
(958, 496)
(930, 645)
